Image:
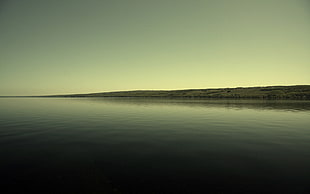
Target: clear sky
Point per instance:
(81, 46)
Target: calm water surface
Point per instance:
(135, 145)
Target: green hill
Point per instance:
(270, 92)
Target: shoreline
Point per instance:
(299, 92)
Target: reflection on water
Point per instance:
(294, 105)
(138, 145)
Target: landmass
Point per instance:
(269, 92)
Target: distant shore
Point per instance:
(298, 92)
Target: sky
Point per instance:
(83, 46)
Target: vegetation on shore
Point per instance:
(269, 92)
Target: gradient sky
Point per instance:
(81, 46)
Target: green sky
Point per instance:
(80, 46)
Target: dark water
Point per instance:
(125, 145)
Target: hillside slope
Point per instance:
(270, 92)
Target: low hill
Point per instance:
(270, 92)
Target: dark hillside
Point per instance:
(270, 92)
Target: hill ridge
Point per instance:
(264, 92)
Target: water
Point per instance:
(136, 145)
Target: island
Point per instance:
(298, 92)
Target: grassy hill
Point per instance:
(270, 92)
